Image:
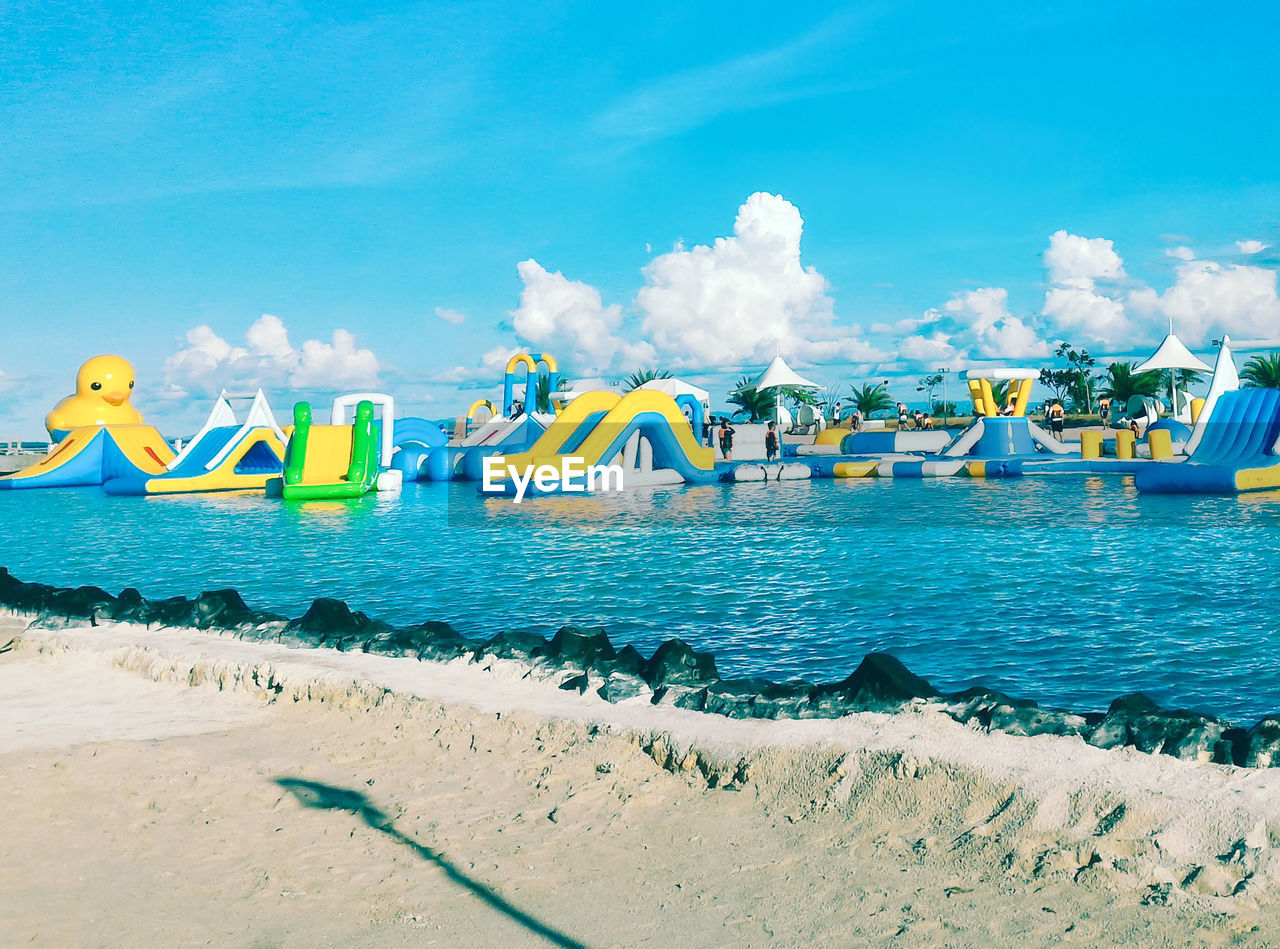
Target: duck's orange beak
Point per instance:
(115, 398)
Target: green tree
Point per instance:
(1262, 372)
(1076, 383)
(1121, 383)
(757, 404)
(871, 398)
(799, 396)
(944, 409)
(641, 376)
(1000, 391)
(542, 392)
(928, 384)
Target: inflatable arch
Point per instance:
(531, 362)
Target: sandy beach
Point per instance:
(185, 788)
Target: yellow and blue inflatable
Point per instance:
(104, 386)
(99, 434)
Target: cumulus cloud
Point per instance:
(450, 316)
(732, 303)
(990, 330)
(1209, 299)
(1206, 299)
(207, 362)
(558, 313)
(1079, 262)
(1090, 317)
(744, 296)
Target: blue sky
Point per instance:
(215, 193)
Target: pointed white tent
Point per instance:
(1225, 379)
(1172, 355)
(778, 373)
(777, 376)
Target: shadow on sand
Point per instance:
(330, 798)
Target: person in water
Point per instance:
(726, 439)
(771, 442)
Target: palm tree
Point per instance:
(1121, 383)
(542, 392)
(756, 403)
(1000, 391)
(641, 376)
(1262, 372)
(871, 398)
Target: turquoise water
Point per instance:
(1067, 591)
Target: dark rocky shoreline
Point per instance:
(583, 659)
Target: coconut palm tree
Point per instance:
(871, 398)
(1000, 391)
(1262, 372)
(542, 392)
(1121, 383)
(756, 403)
(641, 376)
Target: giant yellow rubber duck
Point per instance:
(104, 385)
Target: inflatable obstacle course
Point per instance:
(1236, 450)
(225, 455)
(330, 461)
(94, 455)
(99, 434)
(645, 433)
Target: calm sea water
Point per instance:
(1067, 591)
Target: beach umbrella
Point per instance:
(1172, 355)
(778, 376)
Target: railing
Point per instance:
(13, 446)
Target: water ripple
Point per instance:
(1067, 591)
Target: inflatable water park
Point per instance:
(656, 434)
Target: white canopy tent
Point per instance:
(1173, 355)
(677, 387)
(778, 376)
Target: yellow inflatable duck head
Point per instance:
(104, 386)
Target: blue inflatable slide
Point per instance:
(1236, 452)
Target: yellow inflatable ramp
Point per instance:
(854, 469)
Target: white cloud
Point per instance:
(1094, 319)
(556, 312)
(1209, 299)
(990, 330)
(1076, 309)
(1181, 253)
(450, 316)
(935, 348)
(1251, 247)
(208, 362)
(492, 365)
(740, 299)
(1075, 261)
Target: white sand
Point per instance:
(141, 808)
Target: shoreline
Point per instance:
(585, 660)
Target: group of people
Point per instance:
(722, 433)
(917, 418)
